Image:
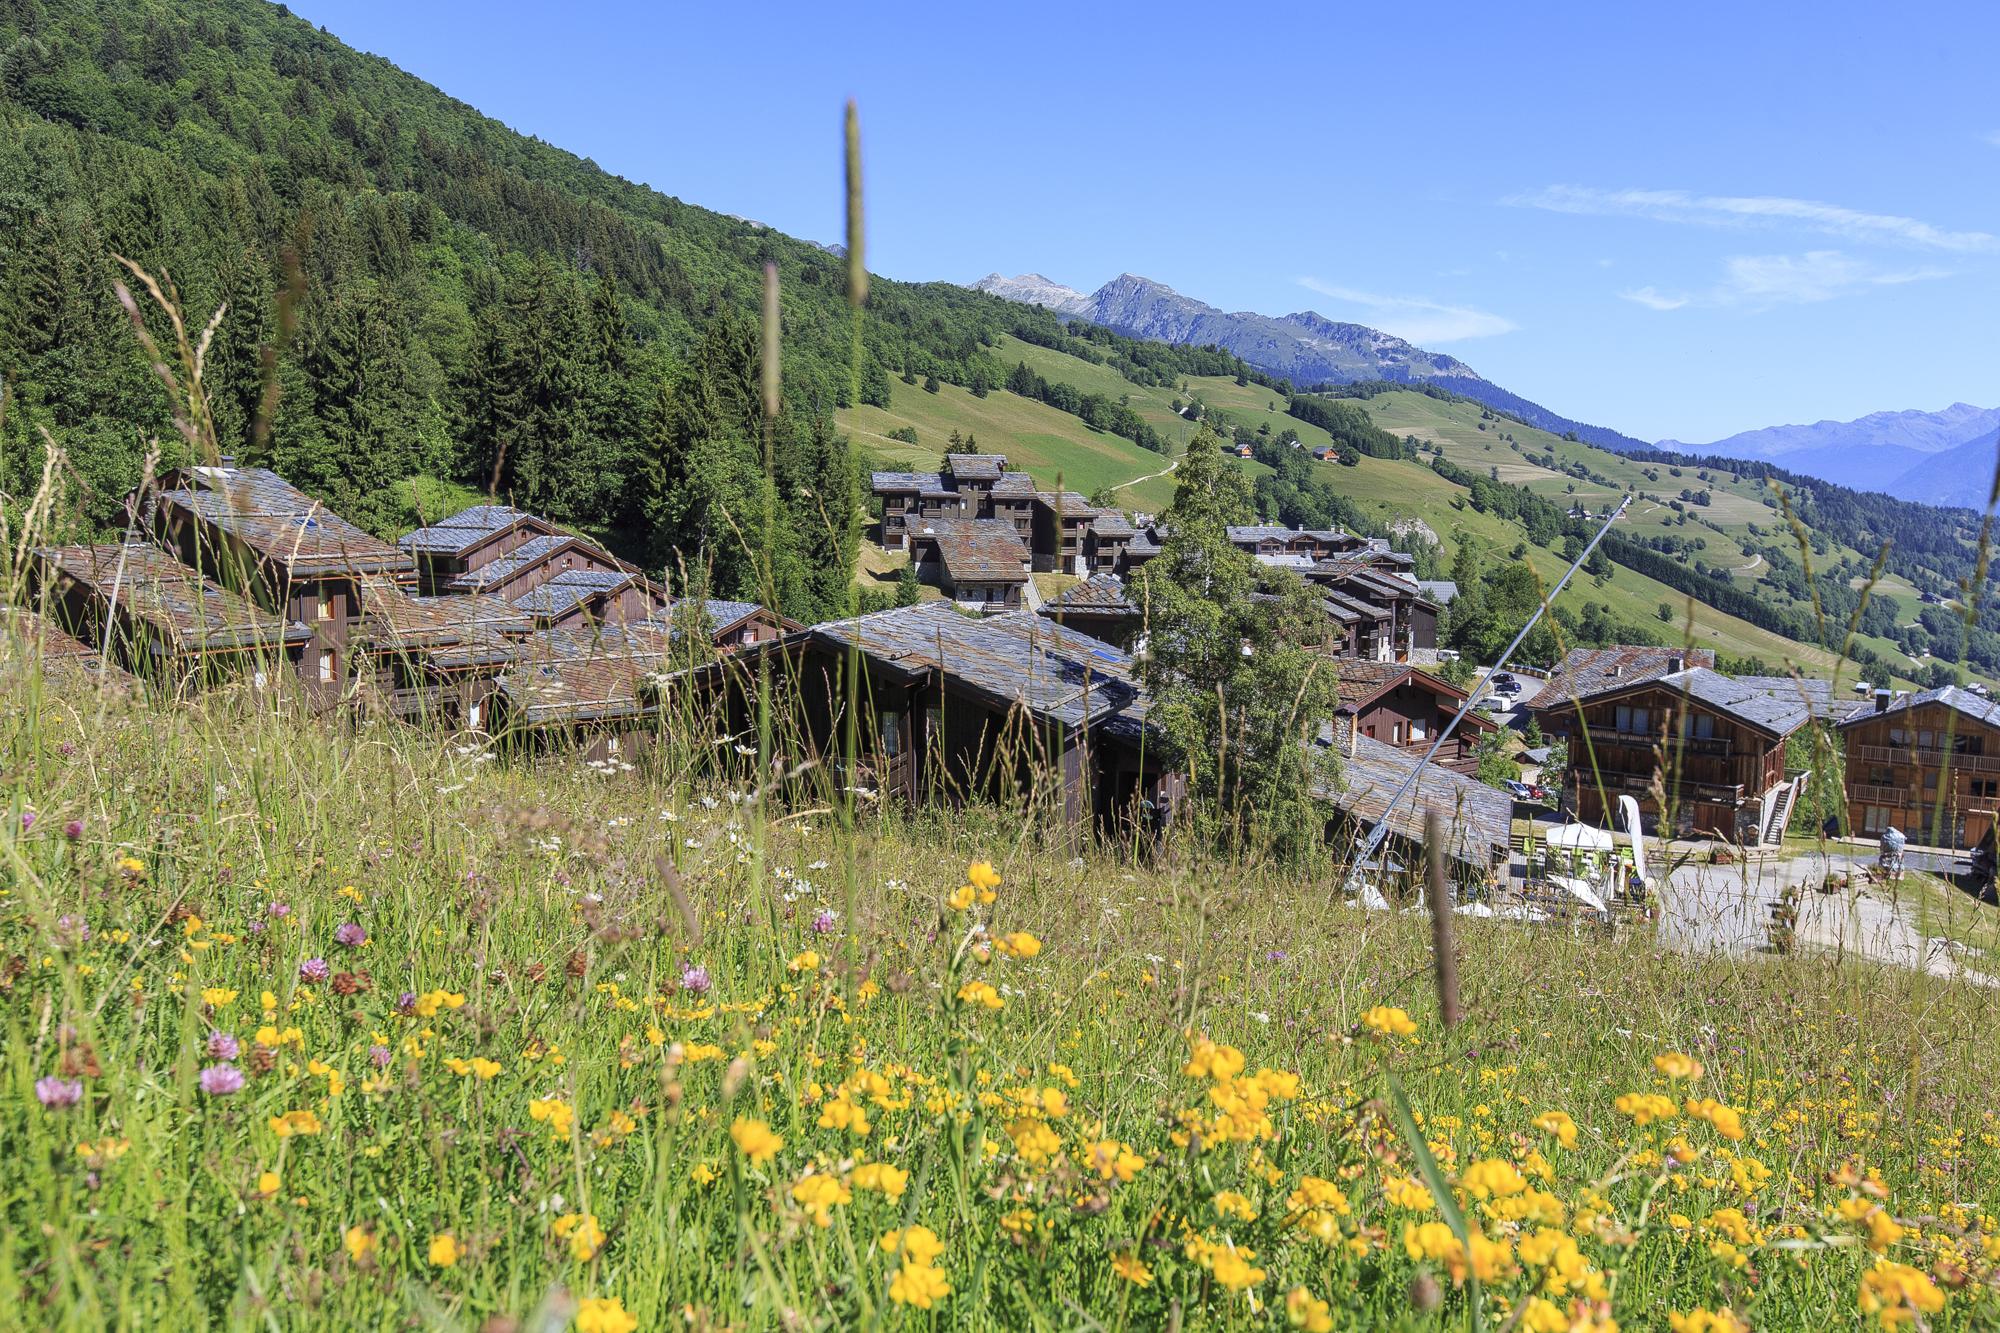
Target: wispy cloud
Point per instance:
(1416, 318)
(1992, 137)
(1758, 282)
(1715, 210)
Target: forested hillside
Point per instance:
(469, 304)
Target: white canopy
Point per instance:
(1578, 838)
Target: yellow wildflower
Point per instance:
(755, 1140)
(1386, 1021)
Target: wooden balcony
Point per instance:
(1933, 756)
(1709, 793)
(1708, 747)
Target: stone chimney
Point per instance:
(1881, 698)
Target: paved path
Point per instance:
(1726, 909)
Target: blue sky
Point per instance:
(1678, 221)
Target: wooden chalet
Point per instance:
(1927, 764)
(1101, 607)
(734, 625)
(957, 708)
(254, 532)
(1271, 544)
(435, 659)
(584, 686)
(1062, 523)
(1407, 708)
(447, 551)
(159, 618)
(968, 486)
(533, 562)
(980, 563)
(1107, 542)
(1406, 621)
(1715, 745)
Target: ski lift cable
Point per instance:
(1381, 829)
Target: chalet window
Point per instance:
(892, 734)
(1699, 726)
(1926, 740)
(323, 607)
(1897, 736)
(326, 665)
(612, 744)
(1634, 721)
(474, 714)
(1968, 745)
(1987, 788)
(1396, 733)
(1930, 781)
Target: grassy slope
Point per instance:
(1738, 502)
(532, 895)
(1043, 440)
(1034, 436)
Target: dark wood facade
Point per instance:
(1928, 765)
(1720, 768)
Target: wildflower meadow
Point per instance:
(338, 1025)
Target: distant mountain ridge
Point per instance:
(1305, 347)
(1944, 457)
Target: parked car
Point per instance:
(1520, 791)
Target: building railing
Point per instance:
(1717, 746)
(1870, 793)
(1932, 756)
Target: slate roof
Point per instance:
(976, 467)
(525, 556)
(1960, 700)
(60, 655)
(569, 590)
(1075, 508)
(1478, 819)
(1098, 595)
(466, 529)
(977, 550)
(456, 630)
(1335, 601)
(1111, 524)
(925, 483)
(1142, 544)
(1013, 486)
(1018, 658)
(1816, 694)
(1249, 534)
(727, 615)
(1777, 714)
(1441, 591)
(190, 612)
(564, 675)
(280, 522)
(1587, 671)
(1242, 534)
